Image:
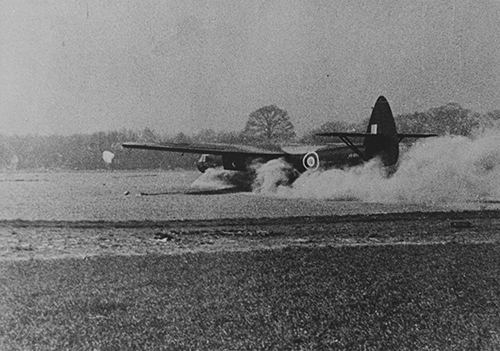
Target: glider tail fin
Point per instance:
(381, 138)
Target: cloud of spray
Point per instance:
(437, 170)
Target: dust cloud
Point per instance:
(219, 179)
(271, 176)
(444, 169)
(262, 177)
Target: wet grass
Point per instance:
(436, 297)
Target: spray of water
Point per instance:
(437, 170)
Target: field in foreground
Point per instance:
(437, 297)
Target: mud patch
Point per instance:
(54, 239)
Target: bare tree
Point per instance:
(331, 126)
(447, 119)
(269, 124)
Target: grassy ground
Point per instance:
(62, 239)
(436, 297)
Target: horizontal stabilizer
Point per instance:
(343, 134)
(400, 135)
(415, 135)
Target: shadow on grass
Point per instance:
(196, 192)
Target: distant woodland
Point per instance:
(267, 125)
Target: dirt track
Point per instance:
(20, 239)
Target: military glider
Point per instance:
(380, 140)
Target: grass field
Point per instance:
(84, 195)
(432, 297)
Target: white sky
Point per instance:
(80, 66)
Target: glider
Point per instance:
(380, 140)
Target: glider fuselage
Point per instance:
(380, 140)
(330, 156)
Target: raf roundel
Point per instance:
(311, 161)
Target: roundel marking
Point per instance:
(311, 161)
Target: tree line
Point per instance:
(265, 126)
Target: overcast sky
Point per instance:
(80, 66)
